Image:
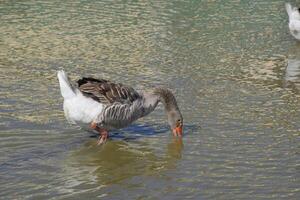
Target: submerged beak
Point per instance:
(177, 131)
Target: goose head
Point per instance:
(174, 116)
(175, 121)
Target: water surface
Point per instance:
(233, 66)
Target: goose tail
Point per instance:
(66, 88)
(289, 9)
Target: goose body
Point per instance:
(294, 20)
(106, 105)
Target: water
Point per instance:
(233, 66)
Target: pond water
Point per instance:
(233, 66)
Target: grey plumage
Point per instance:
(167, 98)
(119, 115)
(107, 92)
(122, 104)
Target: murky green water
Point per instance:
(232, 64)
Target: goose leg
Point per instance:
(103, 133)
(103, 136)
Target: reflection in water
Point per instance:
(175, 148)
(292, 75)
(292, 72)
(117, 161)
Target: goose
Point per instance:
(105, 105)
(294, 20)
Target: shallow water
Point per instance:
(233, 66)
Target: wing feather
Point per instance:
(107, 92)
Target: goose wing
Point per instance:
(107, 92)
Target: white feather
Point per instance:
(81, 108)
(294, 20)
(77, 107)
(65, 86)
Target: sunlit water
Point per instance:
(233, 66)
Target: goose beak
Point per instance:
(177, 131)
